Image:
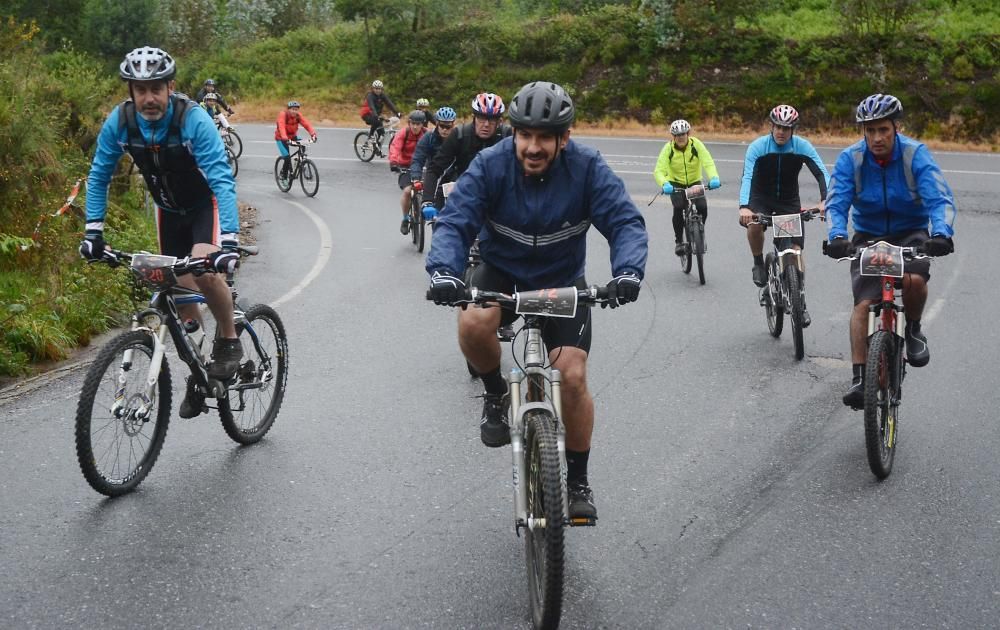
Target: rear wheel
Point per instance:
(254, 397)
(233, 141)
(696, 233)
(309, 178)
(774, 309)
(545, 528)
(364, 147)
(794, 286)
(882, 382)
(284, 185)
(119, 436)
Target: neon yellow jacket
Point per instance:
(684, 167)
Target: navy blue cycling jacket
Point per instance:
(534, 229)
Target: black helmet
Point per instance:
(147, 64)
(418, 116)
(542, 105)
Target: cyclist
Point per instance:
(401, 151)
(534, 196)
(371, 110)
(679, 166)
(289, 120)
(214, 109)
(425, 106)
(462, 145)
(428, 147)
(209, 88)
(771, 184)
(180, 155)
(896, 191)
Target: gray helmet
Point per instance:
(418, 116)
(147, 64)
(879, 106)
(542, 105)
(210, 82)
(292, 104)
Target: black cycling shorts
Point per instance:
(870, 287)
(178, 232)
(556, 331)
(404, 179)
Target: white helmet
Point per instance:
(377, 84)
(679, 127)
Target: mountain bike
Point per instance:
(538, 442)
(234, 163)
(784, 292)
(124, 407)
(302, 168)
(367, 146)
(417, 222)
(230, 138)
(694, 232)
(885, 365)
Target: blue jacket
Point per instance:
(198, 134)
(534, 229)
(906, 195)
(424, 153)
(771, 174)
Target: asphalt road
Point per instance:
(731, 483)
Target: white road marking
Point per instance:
(325, 249)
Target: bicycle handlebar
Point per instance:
(591, 295)
(767, 219)
(915, 252)
(188, 264)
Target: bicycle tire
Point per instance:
(417, 227)
(309, 178)
(413, 212)
(234, 142)
(234, 164)
(697, 234)
(774, 309)
(793, 285)
(686, 257)
(363, 147)
(99, 392)
(882, 372)
(277, 176)
(263, 371)
(544, 546)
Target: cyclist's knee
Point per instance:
(477, 324)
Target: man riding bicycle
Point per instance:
(771, 184)
(210, 88)
(287, 130)
(371, 110)
(401, 151)
(531, 199)
(176, 147)
(679, 166)
(428, 147)
(896, 190)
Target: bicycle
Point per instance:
(784, 292)
(124, 406)
(234, 163)
(367, 146)
(538, 442)
(417, 222)
(302, 168)
(694, 232)
(885, 365)
(230, 138)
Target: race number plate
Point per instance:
(694, 192)
(447, 188)
(156, 271)
(787, 225)
(547, 302)
(882, 259)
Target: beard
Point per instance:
(151, 115)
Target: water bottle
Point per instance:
(196, 334)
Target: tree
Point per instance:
(111, 28)
(188, 25)
(876, 17)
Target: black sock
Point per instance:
(859, 372)
(913, 326)
(576, 465)
(758, 259)
(494, 383)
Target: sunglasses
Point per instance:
(445, 125)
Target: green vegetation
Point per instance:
(720, 61)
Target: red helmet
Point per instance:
(488, 105)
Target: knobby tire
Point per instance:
(125, 435)
(544, 547)
(697, 236)
(882, 376)
(774, 309)
(686, 258)
(793, 285)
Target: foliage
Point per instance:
(876, 17)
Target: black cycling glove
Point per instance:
(623, 289)
(939, 246)
(446, 288)
(839, 248)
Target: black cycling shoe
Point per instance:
(680, 249)
(194, 401)
(581, 500)
(917, 352)
(404, 227)
(759, 275)
(226, 356)
(493, 428)
(855, 396)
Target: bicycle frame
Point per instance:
(887, 314)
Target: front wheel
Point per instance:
(309, 178)
(233, 141)
(696, 234)
(545, 527)
(882, 385)
(364, 146)
(793, 284)
(118, 434)
(234, 164)
(774, 308)
(284, 185)
(254, 397)
(686, 256)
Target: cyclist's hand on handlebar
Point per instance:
(429, 211)
(714, 183)
(314, 137)
(746, 216)
(94, 249)
(838, 248)
(623, 289)
(224, 261)
(393, 167)
(938, 246)
(667, 188)
(446, 287)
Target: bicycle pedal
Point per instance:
(582, 521)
